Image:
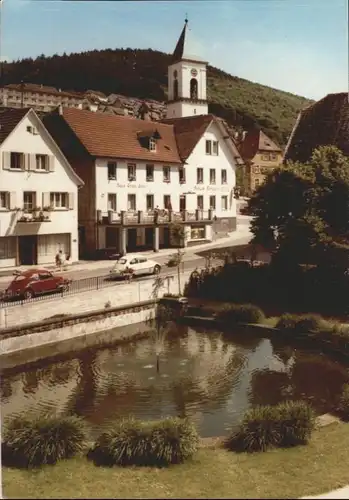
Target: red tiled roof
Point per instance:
(326, 122)
(254, 141)
(188, 131)
(112, 136)
(9, 119)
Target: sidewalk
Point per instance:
(341, 493)
(240, 234)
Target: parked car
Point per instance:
(134, 265)
(28, 284)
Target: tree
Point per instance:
(177, 239)
(302, 211)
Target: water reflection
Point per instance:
(203, 374)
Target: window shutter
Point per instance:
(71, 201)
(45, 199)
(51, 163)
(12, 201)
(25, 162)
(32, 162)
(6, 160)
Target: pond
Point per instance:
(204, 374)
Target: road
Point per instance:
(86, 279)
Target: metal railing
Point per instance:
(153, 217)
(75, 287)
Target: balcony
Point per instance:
(161, 217)
(37, 215)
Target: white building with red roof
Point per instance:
(141, 175)
(38, 193)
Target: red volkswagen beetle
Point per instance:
(33, 282)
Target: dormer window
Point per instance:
(152, 144)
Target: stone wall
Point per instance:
(84, 302)
(82, 325)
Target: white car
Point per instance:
(135, 265)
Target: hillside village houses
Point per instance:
(38, 193)
(140, 175)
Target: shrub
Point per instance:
(241, 313)
(304, 323)
(159, 443)
(297, 422)
(283, 425)
(32, 442)
(258, 431)
(343, 404)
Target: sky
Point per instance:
(300, 46)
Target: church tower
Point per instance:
(186, 80)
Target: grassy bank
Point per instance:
(214, 473)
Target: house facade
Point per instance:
(261, 156)
(38, 193)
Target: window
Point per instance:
(41, 162)
(150, 173)
(112, 201)
(193, 88)
(224, 176)
(175, 89)
(131, 202)
(111, 171)
(273, 156)
(131, 171)
(28, 200)
(215, 148)
(212, 176)
(256, 183)
(197, 233)
(200, 175)
(17, 161)
(208, 147)
(152, 144)
(3, 200)
(150, 202)
(212, 202)
(7, 248)
(200, 202)
(224, 202)
(59, 200)
(266, 157)
(167, 202)
(167, 174)
(181, 175)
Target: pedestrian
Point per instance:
(59, 259)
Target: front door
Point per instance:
(131, 240)
(28, 250)
(149, 237)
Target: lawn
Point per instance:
(214, 473)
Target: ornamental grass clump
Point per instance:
(240, 313)
(158, 443)
(258, 431)
(297, 422)
(30, 442)
(284, 425)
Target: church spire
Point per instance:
(180, 47)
